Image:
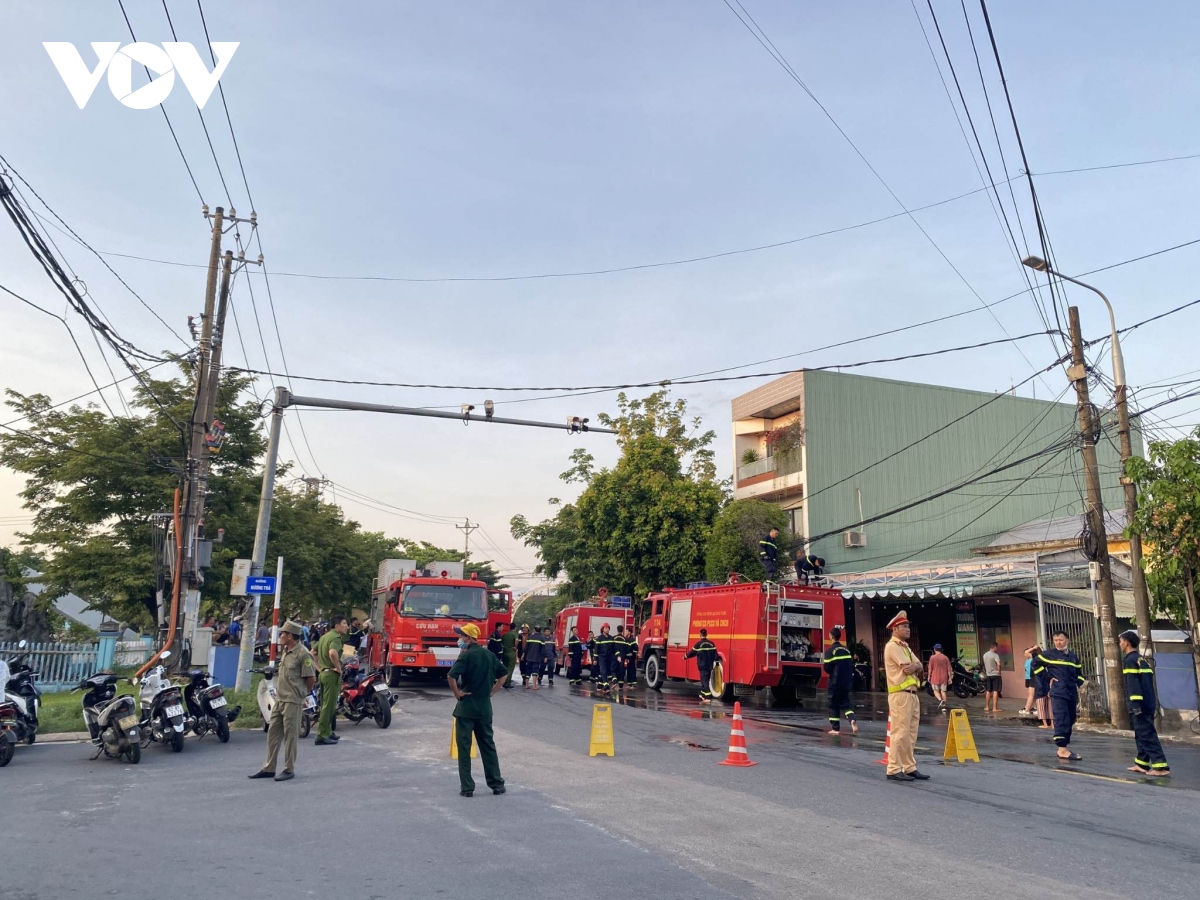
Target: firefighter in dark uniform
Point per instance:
(768, 551)
(621, 658)
(839, 666)
(534, 644)
(631, 655)
(496, 643)
(808, 567)
(1062, 668)
(1143, 703)
(575, 648)
(705, 652)
(606, 655)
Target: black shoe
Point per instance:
(900, 776)
(325, 742)
(466, 793)
(285, 776)
(918, 776)
(499, 790)
(334, 736)
(262, 774)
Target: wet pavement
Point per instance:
(997, 736)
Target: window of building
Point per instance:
(995, 627)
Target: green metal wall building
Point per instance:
(885, 444)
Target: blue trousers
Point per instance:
(1063, 710)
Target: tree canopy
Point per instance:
(643, 524)
(94, 479)
(733, 543)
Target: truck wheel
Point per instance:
(654, 672)
(394, 676)
(784, 695)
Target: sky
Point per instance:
(445, 142)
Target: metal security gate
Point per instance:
(1082, 630)
(59, 667)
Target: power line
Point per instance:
(659, 383)
(612, 270)
(163, 109)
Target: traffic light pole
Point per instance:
(283, 399)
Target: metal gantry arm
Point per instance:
(284, 399)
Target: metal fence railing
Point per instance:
(58, 666)
(1081, 629)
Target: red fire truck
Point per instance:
(416, 610)
(590, 616)
(767, 635)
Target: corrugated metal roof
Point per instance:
(1063, 529)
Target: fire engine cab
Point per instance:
(416, 610)
(767, 635)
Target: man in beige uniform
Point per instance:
(294, 681)
(904, 706)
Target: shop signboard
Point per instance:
(966, 634)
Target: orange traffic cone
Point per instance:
(737, 742)
(887, 744)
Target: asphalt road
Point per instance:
(379, 815)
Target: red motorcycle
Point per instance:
(365, 696)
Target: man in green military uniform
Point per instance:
(329, 664)
(474, 678)
(296, 678)
(510, 652)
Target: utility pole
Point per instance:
(193, 505)
(1111, 652)
(261, 532)
(466, 530)
(314, 484)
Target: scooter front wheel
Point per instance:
(7, 751)
(305, 725)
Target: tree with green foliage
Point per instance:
(1168, 521)
(643, 524)
(733, 543)
(94, 479)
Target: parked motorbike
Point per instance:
(364, 695)
(17, 678)
(208, 710)
(309, 717)
(266, 693)
(8, 731)
(112, 721)
(162, 708)
(966, 682)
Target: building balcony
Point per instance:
(771, 478)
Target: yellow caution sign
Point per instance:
(960, 743)
(454, 742)
(602, 731)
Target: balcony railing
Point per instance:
(781, 465)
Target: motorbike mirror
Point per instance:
(166, 654)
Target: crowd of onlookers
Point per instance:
(231, 632)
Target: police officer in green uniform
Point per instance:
(295, 680)
(329, 664)
(474, 678)
(509, 641)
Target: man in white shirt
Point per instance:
(992, 679)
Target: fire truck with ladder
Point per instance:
(415, 611)
(767, 635)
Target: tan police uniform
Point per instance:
(295, 666)
(904, 705)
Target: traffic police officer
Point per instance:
(1062, 667)
(575, 648)
(1143, 703)
(705, 652)
(767, 552)
(510, 653)
(329, 664)
(474, 678)
(903, 672)
(839, 666)
(295, 680)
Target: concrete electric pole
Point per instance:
(466, 530)
(1113, 679)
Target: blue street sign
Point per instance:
(262, 584)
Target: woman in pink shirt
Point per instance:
(939, 674)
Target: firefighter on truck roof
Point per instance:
(705, 652)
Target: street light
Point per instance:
(1141, 597)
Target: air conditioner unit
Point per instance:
(854, 539)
